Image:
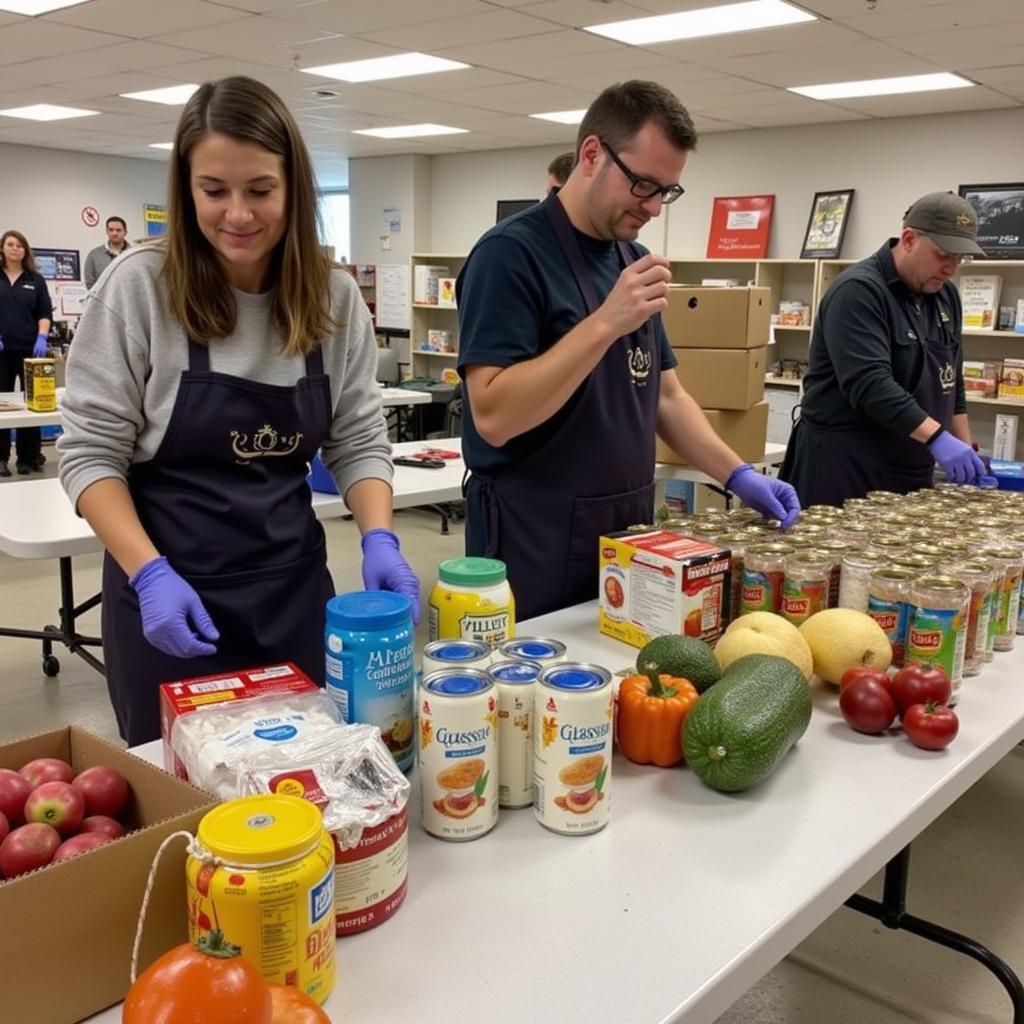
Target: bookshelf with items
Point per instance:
(365, 275)
(434, 333)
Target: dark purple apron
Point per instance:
(543, 516)
(827, 466)
(225, 499)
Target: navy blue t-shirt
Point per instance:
(517, 296)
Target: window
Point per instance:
(334, 214)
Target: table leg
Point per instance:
(891, 911)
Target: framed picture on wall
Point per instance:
(830, 211)
(740, 227)
(1000, 210)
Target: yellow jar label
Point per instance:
(468, 616)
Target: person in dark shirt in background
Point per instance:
(25, 314)
(884, 392)
(559, 170)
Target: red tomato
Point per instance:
(916, 684)
(867, 706)
(930, 726)
(294, 1007)
(864, 672)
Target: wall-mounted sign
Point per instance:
(90, 216)
(155, 219)
(58, 264)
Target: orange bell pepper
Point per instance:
(652, 710)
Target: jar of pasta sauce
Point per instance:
(805, 585)
(979, 578)
(937, 626)
(763, 573)
(853, 583)
(888, 594)
(1009, 561)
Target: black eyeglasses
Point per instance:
(644, 188)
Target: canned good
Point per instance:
(835, 549)
(370, 671)
(888, 594)
(532, 648)
(853, 583)
(805, 585)
(915, 561)
(472, 601)
(937, 626)
(979, 578)
(457, 754)
(515, 681)
(763, 573)
(447, 654)
(262, 872)
(572, 747)
(737, 545)
(1003, 624)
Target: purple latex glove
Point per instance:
(170, 609)
(384, 568)
(958, 459)
(41, 347)
(772, 498)
(1, 343)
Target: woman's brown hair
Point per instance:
(29, 261)
(299, 275)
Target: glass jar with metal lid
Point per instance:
(736, 541)
(677, 524)
(857, 531)
(836, 549)
(937, 626)
(805, 585)
(996, 527)
(763, 573)
(857, 505)
(889, 543)
(857, 569)
(1003, 625)
(882, 497)
(742, 516)
(957, 548)
(979, 577)
(916, 561)
(888, 594)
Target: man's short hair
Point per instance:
(623, 109)
(120, 220)
(561, 167)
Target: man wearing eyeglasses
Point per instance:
(884, 395)
(562, 351)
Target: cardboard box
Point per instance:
(981, 387)
(83, 911)
(40, 385)
(717, 317)
(1004, 443)
(723, 378)
(182, 697)
(426, 282)
(1011, 379)
(745, 431)
(662, 582)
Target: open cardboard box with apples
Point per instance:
(69, 928)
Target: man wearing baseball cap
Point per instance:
(883, 396)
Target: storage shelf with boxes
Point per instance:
(434, 338)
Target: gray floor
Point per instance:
(966, 868)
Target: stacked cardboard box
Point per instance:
(719, 336)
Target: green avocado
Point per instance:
(743, 726)
(684, 657)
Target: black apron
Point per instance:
(543, 516)
(225, 499)
(828, 465)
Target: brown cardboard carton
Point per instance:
(717, 317)
(66, 947)
(745, 431)
(723, 378)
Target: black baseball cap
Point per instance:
(948, 220)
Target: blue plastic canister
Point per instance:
(370, 674)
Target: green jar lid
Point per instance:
(472, 572)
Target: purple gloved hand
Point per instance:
(173, 617)
(41, 347)
(384, 568)
(772, 498)
(958, 459)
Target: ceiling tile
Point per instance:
(578, 13)
(507, 52)
(142, 19)
(247, 36)
(351, 18)
(887, 23)
(449, 32)
(620, 63)
(454, 85)
(32, 38)
(943, 102)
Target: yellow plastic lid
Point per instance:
(262, 829)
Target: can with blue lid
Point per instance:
(572, 747)
(455, 653)
(370, 671)
(457, 746)
(515, 681)
(532, 648)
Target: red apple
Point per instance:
(104, 790)
(80, 844)
(26, 848)
(5, 827)
(100, 824)
(47, 769)
(14, 791)
(56, 803)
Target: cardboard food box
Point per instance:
(182, 697)
(743, 430)
(662, 582)
(40, 385)
(723, 378)
(1011, 379)
(717, 317)
(67, 945)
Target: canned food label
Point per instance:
(937, 636)
(761, 591)
(1009, 602)
(892, 617)
(801, 600)
(515, 745)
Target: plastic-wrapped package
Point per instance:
(212, 742)
(348, 772)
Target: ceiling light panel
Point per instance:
(410, 131)
(378, 69)
(34, 7)
(561, 116)
(172, 95)
(882, 86)
(47, 112)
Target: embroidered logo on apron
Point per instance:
(264, 443)
(639, 366)
(947, 378)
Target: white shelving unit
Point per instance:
(427, 317)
